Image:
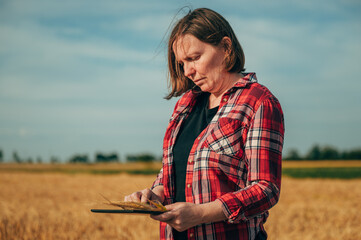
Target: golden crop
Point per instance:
(57, 206)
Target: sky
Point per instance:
(80, 77)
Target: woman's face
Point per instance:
(202, 63)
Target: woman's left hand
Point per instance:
(184, 215)
(181, 215)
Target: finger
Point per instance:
(174, 206)
(146, 195)
(135, 197)
(164, 217)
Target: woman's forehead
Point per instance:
(185, 45)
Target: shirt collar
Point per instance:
(247, 79)
(188, 99)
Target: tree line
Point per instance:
(327, 152)
(113, 157)
(84, 158)
(316, 152)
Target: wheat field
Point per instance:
(57, 206)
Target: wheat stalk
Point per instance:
(150, 206)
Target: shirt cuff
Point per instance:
(231, 207)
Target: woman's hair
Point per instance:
(209, 27)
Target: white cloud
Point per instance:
(41, 46)
(93, 88)
(313, 69)
(43, 8)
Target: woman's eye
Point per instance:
(196, 58)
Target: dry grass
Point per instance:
(316, 209)
(57, 206)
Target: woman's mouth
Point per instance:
(197, 80)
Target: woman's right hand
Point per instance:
(157, 194)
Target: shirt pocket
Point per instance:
(227, 137)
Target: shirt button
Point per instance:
(188, 185)
(190, 160)
(199, 138)
(191, 234)
(225, 99)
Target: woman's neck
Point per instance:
(215, 97)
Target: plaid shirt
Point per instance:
(236, 159)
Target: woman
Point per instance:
(223, 145)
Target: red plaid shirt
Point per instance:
(236, 159)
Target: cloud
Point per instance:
(311, 67)
(78, 79)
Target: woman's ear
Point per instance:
(226, 44)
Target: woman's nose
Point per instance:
(189, 70)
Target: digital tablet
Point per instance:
(125, 211)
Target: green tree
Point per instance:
(16, 157)
(100, 157)
(314, 153)
(293, 155)
(329, 152)
(1, 155)
(143, 157)
(78, 158)
(353, 154)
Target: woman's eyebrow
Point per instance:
(191, 55)
(188, 56)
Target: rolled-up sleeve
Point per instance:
(159, 180)
(263, 156)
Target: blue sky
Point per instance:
(88, 76)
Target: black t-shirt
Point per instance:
(192, 126)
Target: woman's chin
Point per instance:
(204, 88)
